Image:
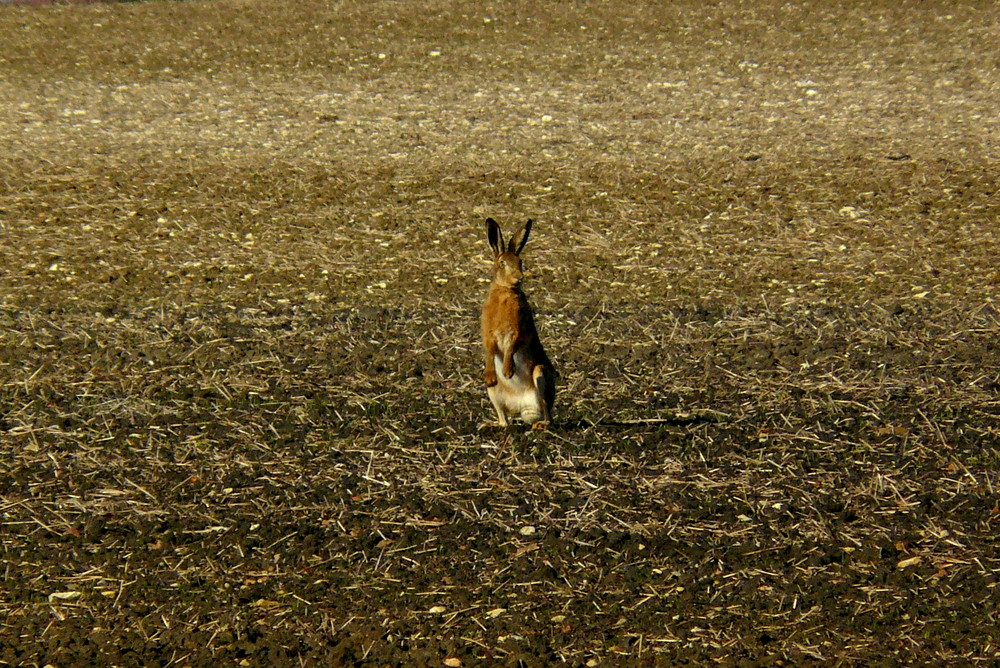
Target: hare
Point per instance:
(520, 379)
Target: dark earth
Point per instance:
(242, 415)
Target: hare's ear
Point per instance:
(520, 238)
(495, 236)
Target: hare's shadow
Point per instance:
(673, 421)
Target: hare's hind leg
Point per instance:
(496, 397)
(545, 392)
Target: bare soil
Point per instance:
(241, 404)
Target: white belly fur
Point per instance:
(518, 395)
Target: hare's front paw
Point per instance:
(508, 367)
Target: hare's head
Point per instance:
(507, 260)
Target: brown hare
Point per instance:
(520, 379)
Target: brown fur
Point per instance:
(508, 330)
